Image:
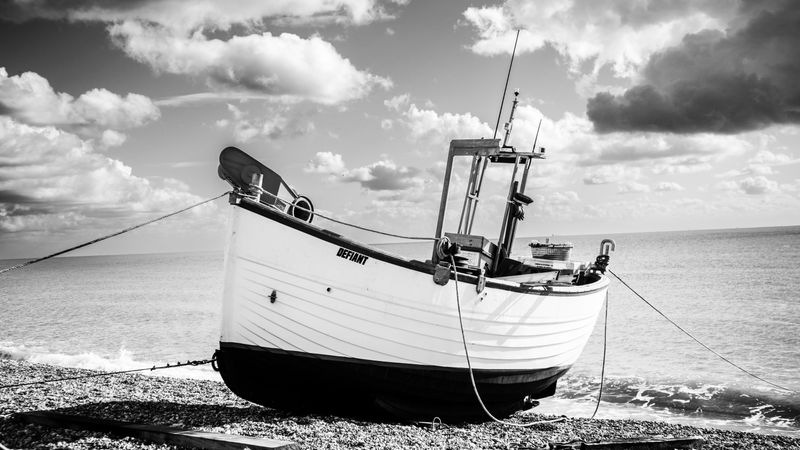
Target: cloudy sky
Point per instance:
(656, 115)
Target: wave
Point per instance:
(689, 402)
(705, 402)
(122, 360)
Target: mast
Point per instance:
(479, 163)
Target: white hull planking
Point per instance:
(377, 311)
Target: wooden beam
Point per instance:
(157, 433)
(636, 443)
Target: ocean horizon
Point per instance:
(728, 287)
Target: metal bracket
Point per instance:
(481, 281)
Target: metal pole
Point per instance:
(443, 203)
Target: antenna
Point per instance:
(510, 124)
(505, 88)
(536, 139)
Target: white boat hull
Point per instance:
(310, 317)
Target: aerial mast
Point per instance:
(479, 162)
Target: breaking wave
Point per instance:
(743, 408)
(687, 402)
(123, 360)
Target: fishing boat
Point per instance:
(316, 321)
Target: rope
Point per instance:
(370, 230)
(105, 374)
(27, 263)
(413, 238)
(698, 341)
(472, 375)
(603, 366)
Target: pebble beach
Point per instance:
(210, 406)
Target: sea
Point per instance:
(734, 290)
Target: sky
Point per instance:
(655, 115)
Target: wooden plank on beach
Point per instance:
(157, 433)
(637, 443)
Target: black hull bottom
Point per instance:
(315, 383)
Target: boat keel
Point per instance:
(318, 383)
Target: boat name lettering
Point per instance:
(352, 256)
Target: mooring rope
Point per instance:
(603, 365)
(472, 375)
(33, 261)
(198, 362)
(698, 340)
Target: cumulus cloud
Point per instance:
(715, 81)
(29, 98)
(53, 180)
(383, 175)
(201, 13)
(632, 187)
(282, 66)
(669, 186)
(433, 128)
(605, 32)
(53, 175)
(274, 124)
(427, 123)
(173, 37)
(614, 157)
(753, 185)
(764, 162)
(611, 174)
(327, 163)
(398, 102)
(771, 158)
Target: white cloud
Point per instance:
(284, 67)
(669, 186)
(173, 36)
(52, 180)
(111, 138)
(274, 124)
(326, 163)
(572, 140)
(620, 33)
(752, 185)
(758, 185)
(632, 187)
(215, 15)
(382, 175)
(436, 129)
(762, 163)
(616, 173)
(397, 102)
(771, 158)
(385, 175)
(30, 99)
